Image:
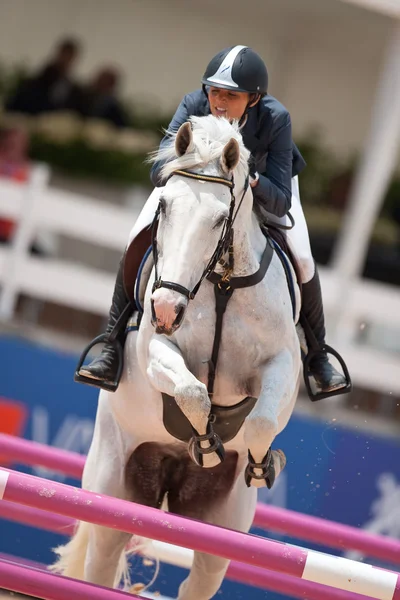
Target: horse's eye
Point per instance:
(163, 205)
(219, 222)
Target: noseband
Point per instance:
(225, 242)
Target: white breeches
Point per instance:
(297, 237)
(147, 213)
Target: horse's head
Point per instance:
(195, 212)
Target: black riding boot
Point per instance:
(327, 378)
(103, 370)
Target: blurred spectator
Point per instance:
(14, 164)
(99, 100)
(52, 87)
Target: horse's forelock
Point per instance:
(210, 136)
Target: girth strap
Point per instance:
(223, 292)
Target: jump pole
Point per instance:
(301, 526)
(155, 524)
(183, 557)
(32, 582)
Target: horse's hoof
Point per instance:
(264, 473)
(279, 461)
(212, 455)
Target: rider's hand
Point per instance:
(254, 178)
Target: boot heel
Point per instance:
(104, 338)
(315, 395)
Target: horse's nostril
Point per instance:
(180, 314)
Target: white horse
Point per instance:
(133, 456)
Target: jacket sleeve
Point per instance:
(181, 116)
(274, 189)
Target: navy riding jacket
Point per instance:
(267, 133)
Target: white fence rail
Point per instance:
(37, 206)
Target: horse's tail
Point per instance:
(140, 545)
(71, 556)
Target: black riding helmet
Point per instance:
(237, 68)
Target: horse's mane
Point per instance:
(210, 135)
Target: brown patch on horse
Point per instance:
(154, 470)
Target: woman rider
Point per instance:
(235, 86)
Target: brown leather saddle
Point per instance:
(133, 258)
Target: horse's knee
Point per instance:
(193, 392)
(193, 400)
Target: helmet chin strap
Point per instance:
(243, 118)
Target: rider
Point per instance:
(235, 86)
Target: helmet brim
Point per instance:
(225, 86)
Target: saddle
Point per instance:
(282, 246)
(135, 256)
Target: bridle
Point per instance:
(225, 242)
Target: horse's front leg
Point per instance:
(168, 373)
(270, 415)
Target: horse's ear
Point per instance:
(230, 156)
(184, 139)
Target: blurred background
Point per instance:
(86, 87)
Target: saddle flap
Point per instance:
(289, 264)
(142, 278)
(280, 239)
(133, 259)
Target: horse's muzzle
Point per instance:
(167, 311)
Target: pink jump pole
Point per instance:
(32, 582)
(304, 527)
(156, 524)
(327, 533)
(285, 584)
(269, 580)
(25, 452)
(34, 517)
